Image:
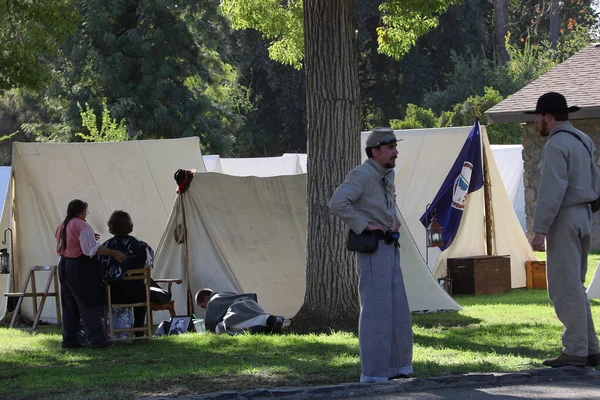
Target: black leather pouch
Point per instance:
(365, 242)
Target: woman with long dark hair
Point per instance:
(82, 290)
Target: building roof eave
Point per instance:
(505, 117)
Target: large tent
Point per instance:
(135, 176)
(249, 235)
(424, 158)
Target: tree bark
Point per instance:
(554, 22)
(501, 26)
(332, 93)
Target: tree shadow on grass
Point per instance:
(491, 339)
(444, 319)
(515, 296)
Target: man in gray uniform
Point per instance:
(228, 312)
(563, 219)
(366, 202)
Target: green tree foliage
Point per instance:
(403, 21)
(463, 115)
(416, 118)
(280, 22)
(161, 65)
(108, 130)
(30, 32)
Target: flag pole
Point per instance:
(487, 195)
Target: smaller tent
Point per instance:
(302, 158)
(212, 162)
(265, 166)
(249, 235)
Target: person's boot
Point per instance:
(275, 323)
(593, 360)
(565, 360)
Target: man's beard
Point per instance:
(391, 164)
(544, 129)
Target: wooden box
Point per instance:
(536, 274)
(480, 274)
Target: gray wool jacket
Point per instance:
(367, 195)
(568, 177)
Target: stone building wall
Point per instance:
(532, 158)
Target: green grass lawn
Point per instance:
(508, 332)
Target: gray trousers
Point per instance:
(385, 327)
(568, 244)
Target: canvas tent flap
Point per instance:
(134, 176)
(249, 235)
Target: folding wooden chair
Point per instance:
(170, 306)
(34, 294)
(142, 274)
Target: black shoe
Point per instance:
(67, 346)
(400, 376)
(277, 324)
(593, 360)
(98, 345)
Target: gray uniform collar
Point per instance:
(381, 170)
(565, 126)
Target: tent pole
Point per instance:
(190, 306)
(487, 195)
(489, 211)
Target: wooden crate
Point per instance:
(536, 274)
(480, 274)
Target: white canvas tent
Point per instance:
(265, 166)
(424, 159)
(302, 159)
(134, 176)
(509, 159)
(249, 235)
(212, 162)
(4, 180)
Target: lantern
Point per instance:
(4, 261)
(435, 233)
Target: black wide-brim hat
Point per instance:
(552, 103)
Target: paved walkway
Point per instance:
(545, 380)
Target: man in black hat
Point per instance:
(366, 202)
(562, 220)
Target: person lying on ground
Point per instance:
(231, 312)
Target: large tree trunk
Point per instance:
(554, 21)
(332, 92)
(501, 25)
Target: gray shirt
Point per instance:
(367, 195)
(568, 177)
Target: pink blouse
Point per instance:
(80, 239)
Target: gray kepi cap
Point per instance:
(381, 136)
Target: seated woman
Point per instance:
(139, 255)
